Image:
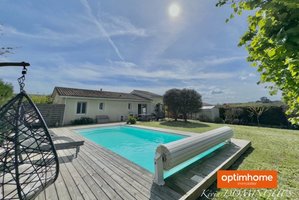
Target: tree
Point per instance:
(272, 41)
(257, 111)
(265, 100)
(172, 100)
(183, 102)
(190, 102)
(159, 111)
(6, 92)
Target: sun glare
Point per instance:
(174, 10)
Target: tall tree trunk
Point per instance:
(185, 117)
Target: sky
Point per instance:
(124, 45)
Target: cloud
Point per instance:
(175, 72)
(98, 23)
(79, 29)
(217, 91)
(120, 26)
(245, 76)
(85, 45)
(212, 61)
(200, 63)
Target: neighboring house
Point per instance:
(207, 112)
(115, 106)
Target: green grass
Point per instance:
(272, 149)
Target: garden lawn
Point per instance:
(272, 149)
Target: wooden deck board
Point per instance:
(84, 187)
(50, 193)
(207, 169)
(108, 190)
(98, 173)
(128, 172)
(134, 180)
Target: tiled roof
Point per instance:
(74, 92)
(145, 94)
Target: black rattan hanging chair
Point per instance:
(28, 159)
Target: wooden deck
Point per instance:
(98, 173)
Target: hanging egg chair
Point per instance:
(28, 159)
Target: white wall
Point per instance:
(210, 114)
(152, 106)
(114, 109)
(206, 114)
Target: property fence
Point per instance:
(52, 113)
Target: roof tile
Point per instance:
(75, 92)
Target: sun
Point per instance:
(174, 10)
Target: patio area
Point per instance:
(98, 173)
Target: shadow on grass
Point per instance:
(212, 191)
(183, 124)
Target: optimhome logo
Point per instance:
(247, 179)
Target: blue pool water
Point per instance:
(138, 145)
(135, 144)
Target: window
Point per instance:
(129, 106)
(81, 107)
(101, 106)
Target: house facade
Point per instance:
(114, 106)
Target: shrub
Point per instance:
(236, 121)
(275, 116)
(218, 120)
(232, 114)
(82, 120)
(131, 120)
(204, 118)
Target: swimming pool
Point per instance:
(135, 144)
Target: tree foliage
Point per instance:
(257, 111)
(159, 111)
(6, 92)
(190, 102)
(183, 102)
(42, 99)
(172, 100)
(264, 100)
(272, 41)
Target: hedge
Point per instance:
(273, 116)
(83, 121)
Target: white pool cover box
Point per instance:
(174, 153)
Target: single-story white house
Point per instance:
(114, 106)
